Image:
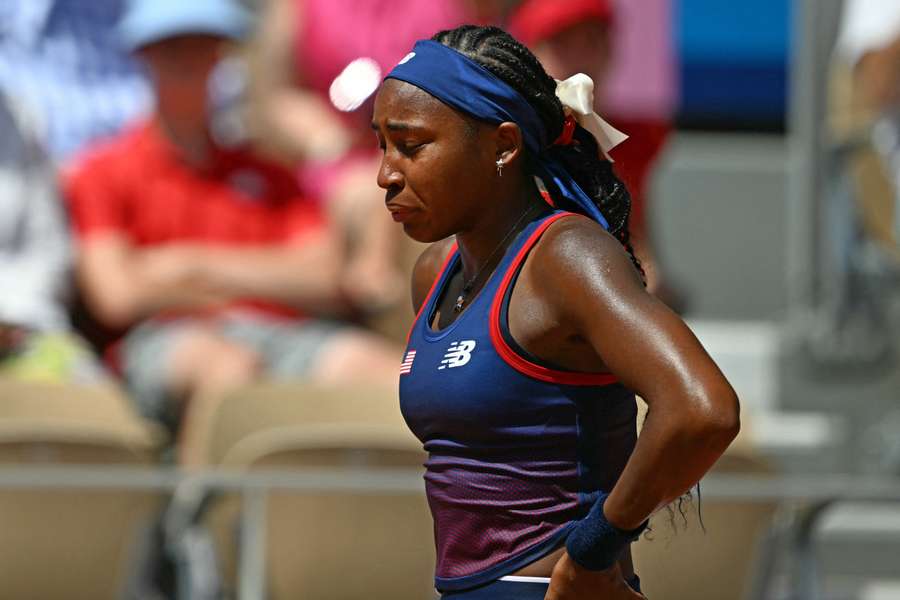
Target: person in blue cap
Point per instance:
(208, 260)
(534, 330)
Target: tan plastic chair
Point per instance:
(69, 545)
(328, 545)
(679, 561)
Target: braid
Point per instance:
(597, 178)
(514, 64)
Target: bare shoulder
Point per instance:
(579, 245)
(578, 262)
(427, 268)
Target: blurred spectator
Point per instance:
(301, 49)
(304, 45)
(870, 42)
(62, 58)
(213, 258)
(568, 37)
(866, 98)
(640, 93)
(858, 254)
(596, 37)
(36, 341)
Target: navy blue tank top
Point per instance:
(518, 451)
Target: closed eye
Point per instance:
(410, 148)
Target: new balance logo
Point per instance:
(458, 354)
(406, 365)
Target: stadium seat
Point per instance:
(70, 544)
(327, 545)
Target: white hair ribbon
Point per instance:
(577, 95)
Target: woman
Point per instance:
(533, 332)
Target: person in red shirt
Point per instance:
(211, 260)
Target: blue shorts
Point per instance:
(518, 589)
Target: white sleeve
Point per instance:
(34, 274)
(35, 248)
(867, 25)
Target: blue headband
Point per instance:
(463, 84)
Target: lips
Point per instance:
(400, 213)
(401, 216)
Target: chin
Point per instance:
(418, 234)
(423, 234)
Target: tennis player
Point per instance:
(534, 329)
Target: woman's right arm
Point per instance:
(290, 121)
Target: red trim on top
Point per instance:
(510, 356)
(434, 285)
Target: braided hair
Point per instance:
(515, 65)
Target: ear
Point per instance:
(509, 143)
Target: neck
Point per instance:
(192, 142)
(487, 240)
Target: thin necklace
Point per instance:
(470, 284)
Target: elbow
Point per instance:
(721, 417)
(708, 418)
(114, 311)
(113, 315)
(732, 412)
(725, 431)
(109, 280)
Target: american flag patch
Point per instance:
(406, 365)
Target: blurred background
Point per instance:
(203, 302)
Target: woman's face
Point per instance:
(437, 167)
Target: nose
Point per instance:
(388, 176)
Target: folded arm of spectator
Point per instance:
(125, 284)
(287, 120)
(304, 274)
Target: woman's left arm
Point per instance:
(693, 411)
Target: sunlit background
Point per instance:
(188, 222)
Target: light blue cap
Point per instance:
(149, 21)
